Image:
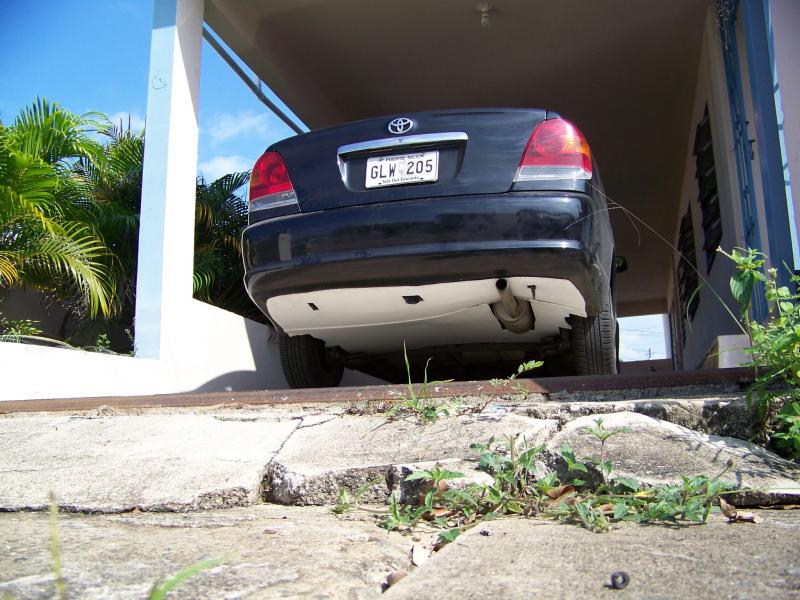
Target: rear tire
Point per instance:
(594, 343)
(304, 363)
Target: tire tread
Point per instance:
(302, 361)
(594, 343)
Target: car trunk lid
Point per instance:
(469, 152)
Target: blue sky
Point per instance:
(93, 55)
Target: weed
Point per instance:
(102, 342)
(426, 409)
(11, 330)
(55, 546)
(774, 347)
(400, 518)
(521, 487)
(789, 438)
(349, 502)
(436, 475)
(160, 591)
(511, 380)
(573, 464)
(601, 433)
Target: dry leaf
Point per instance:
(394, 577)
(734, 516)
(748, 517)
(419, 554)
(727, 509)
(437, 512)
(561, 490)
(606, 509)
(440, 488)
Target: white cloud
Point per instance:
(217, 166)
(136, 120)
(225, 126)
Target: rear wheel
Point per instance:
(594, 343)
(305, 364)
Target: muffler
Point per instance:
(514, 315)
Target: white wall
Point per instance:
(37, 372)
(214, 350)
(711, 318)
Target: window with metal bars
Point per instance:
(688, 299)
(708, 195)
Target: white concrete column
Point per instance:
(166, 234)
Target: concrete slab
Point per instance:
(728, 414)
(526, 559)
(150, 462)
(274, 552)
(108, 460)
(353, 450)
(656, 451)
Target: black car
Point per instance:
(478, 237)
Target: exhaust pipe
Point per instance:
(515, 316)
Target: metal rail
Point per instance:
(737, 379)
(207, 36)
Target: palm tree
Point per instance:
(69, 219)
(45, 242)
(220, 217)
(115, 184)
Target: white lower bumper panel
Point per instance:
(381, 319)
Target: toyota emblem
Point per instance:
(400, 125)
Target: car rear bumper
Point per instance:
(437, 240)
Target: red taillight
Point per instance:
(270, 184)
(555, 150)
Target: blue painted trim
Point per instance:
(781, 137)
(762, 91)
(741, 144)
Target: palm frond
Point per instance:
(75, 255)
(9, 275)
(46, 131)
(207, 268)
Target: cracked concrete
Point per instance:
(721, 415)
(150, 462)
(656, 452)
(529, 558)
(235, 457)
(270, 552)
(351, 451)
(178, 460)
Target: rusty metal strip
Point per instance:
(738, 377)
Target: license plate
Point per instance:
(402, 168)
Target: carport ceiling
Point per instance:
(623, 70)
